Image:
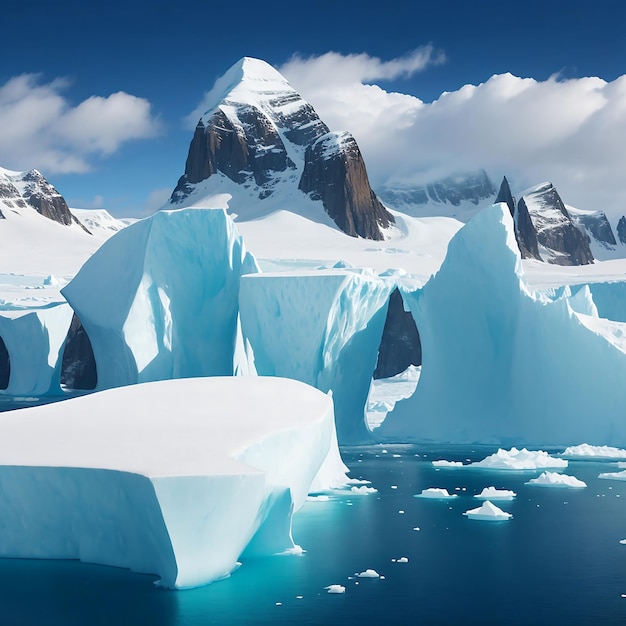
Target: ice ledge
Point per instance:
(172, 478)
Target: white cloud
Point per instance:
(156, 199)
(42, 129)
(567, 131)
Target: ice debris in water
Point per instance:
(488, 512)
(435, 492)
(614, 475)
(363, 491)
(491, 493)
(444, 463)
(368, 573)
(553, 479)
(335, 589)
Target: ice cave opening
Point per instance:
(5, 365)
(399, 363)
(78, 366)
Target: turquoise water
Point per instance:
(558, 561)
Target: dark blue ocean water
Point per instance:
(558, 561)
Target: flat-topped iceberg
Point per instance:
(175, 478)
(435, 493)
(554, 479)
(488, 512)
(613, 475)
(587, 451)
(515, 459)
(491, 493)
(444, 463)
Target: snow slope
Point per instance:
(171, 478)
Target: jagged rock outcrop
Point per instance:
(259, 133)
(596, 225)
(563, 243)
(78, 366)
(621, 229)
(472, 188)
(20, 190)
(335, 173)
(505, 195)
(525, 233)
(400, 345)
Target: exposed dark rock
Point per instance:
(335, 173)
(473, 187)
(555, 229)
(78, 367)
(525, 233)
(505, 195)
(5, 365)
(400, 345)
(621, 229)
(596, 225)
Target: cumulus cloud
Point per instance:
(42, 129)
(568, 131)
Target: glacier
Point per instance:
(174, 478)
(501, 362)
(158, 300)
(321, 327)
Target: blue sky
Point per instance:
(163, 56)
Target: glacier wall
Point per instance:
(175, 478)
(322, 328)
(502, 364)
(34, 340)
(159, 299)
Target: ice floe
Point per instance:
(488, 512)
(554, 479)
(614, 475)
(335, 589)
(587, 451)
(491, 493)
(368, 573)
(436, 493)
(444, 463)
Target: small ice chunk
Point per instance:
(394, 486)
(488, 512)
(553, 479)
(491, 493)
(402, 559)
(363, 491)
(416, 528)
(321, 498)
(335, 589)
(444, 463)
(614, 475)
(623, 542)
(368, 573)
(436, 493)
(396, 456)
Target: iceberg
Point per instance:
(34, 340)
(488, 512)
(613, 475)
(368, 573)
(586, 451)
(515, 459)
(511, 354)
(321, 327)
(158, 300)
(335, 589)
(553, 479)
(444, 463)
(491, 493)
(435, 493)
(175, 478)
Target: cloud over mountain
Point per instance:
(42, 128)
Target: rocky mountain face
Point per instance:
(466, 191)
(400, 345)
(78, 368)
(334, 172)
(262, 135)
(621, 229)
(20, 190)
(595, 224)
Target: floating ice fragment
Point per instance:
(614, 475)
(396, 456)
(488, 512)
(363, 491)
(402, 559)
(587, 451)
(515, 459)
(553, 479)
(358, 481)
(384, 451)
(368, 573)
(623, 542)
(491, 493)
(394, 486)
(321, 498)
(401, 511)
(335, 589)
(435, 492)
(416, 528)
(444, 463)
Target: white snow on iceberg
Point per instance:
(444, 463)
(613, 475)
(435, 493)
(586, 451)
(488, 512)
(174, 478)
(515, 459)
(491, 493)
(554, 479)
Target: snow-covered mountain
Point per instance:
(460, 196)
(260, 147)
(99, 222)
